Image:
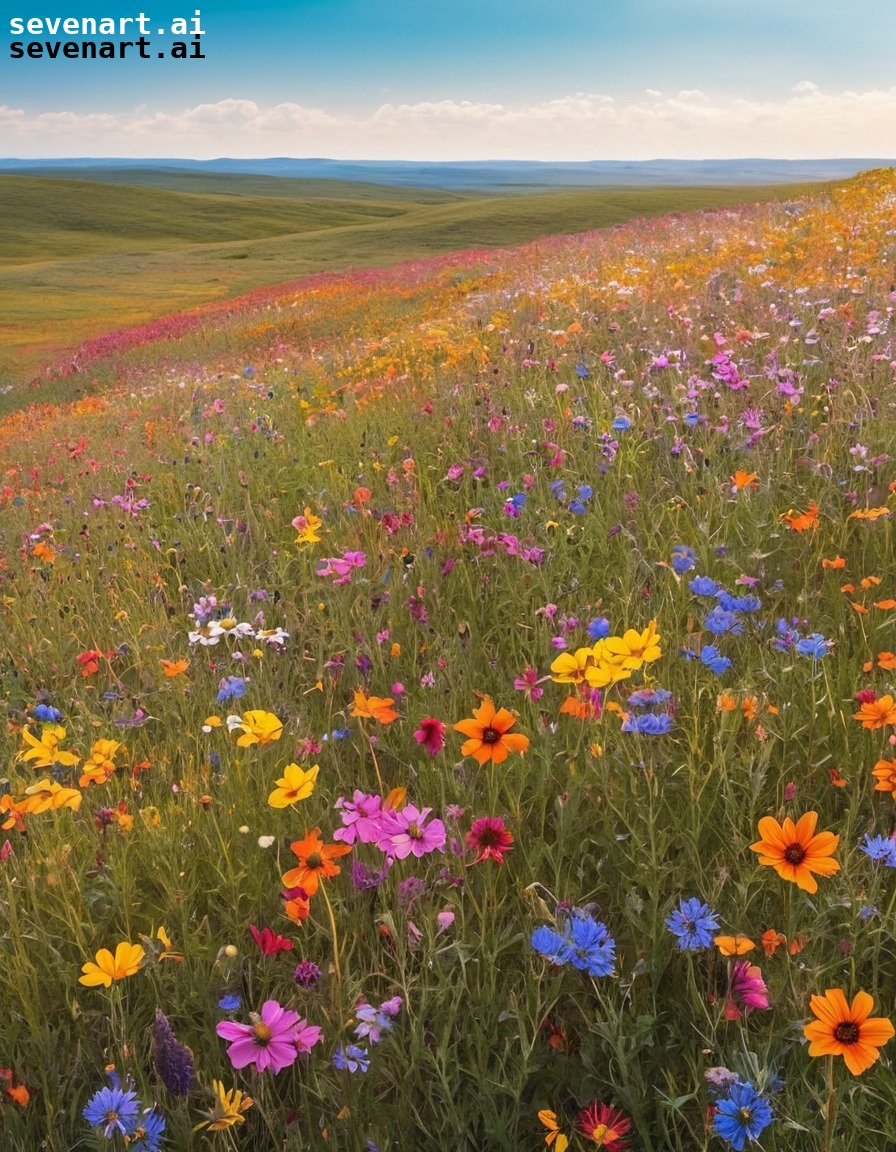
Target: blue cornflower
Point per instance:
(46, 713)
(683, 559)
(231, 688)
(704, 586)
(692, 419)
(713, 660)
(353, 1058)
(621, 424)
(559, 489)
(741, 1115)
(577, 507)
(738, 603)
(693, 923)
(599, 628)
(147, 1136)
(551, 945)
(880, 848)
(586, 492)
(718, 621)
(593, 948)
(649, 724)
(230, 1003)
(582, 371)
(112, 1109)
(647, 697)
(814, 645)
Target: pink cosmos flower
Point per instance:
(748, 988)
(362, 818)
(431, 734)
(406, 833)
(273, 1040)
(341, 567)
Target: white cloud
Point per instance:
(581, 126)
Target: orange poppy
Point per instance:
(841, 1029)
(772, 941)
(837, 562)
(884, 772)
(374, 708)
(734, 945)
(741, 480)
(489, 734)
(887, 661)
(315, 860)
(876, 714)
(800, 521)
(174, 668)
(795, 851)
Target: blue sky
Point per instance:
(559, 79)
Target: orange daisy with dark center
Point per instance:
(489, 736)
(796, 851)
(847, 1030)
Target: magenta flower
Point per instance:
(431, 734)
(406, 833)
(341, 567)
(273, 1040)
(362, 817)
(748, 988)
(530, 684)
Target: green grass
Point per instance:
(82, 258)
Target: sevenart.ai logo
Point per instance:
(106, 38)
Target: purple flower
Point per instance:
(273, 1040)
(406, 833)
(362, 817)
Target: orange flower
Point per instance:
(489, 734)
(795, 851)
(869, 513)
(741, 480)
(841, 1029)
(887, 661)
(725, 702)
(174, 668)
(800, 521)
(885, 773)
(374, 708)
(749, 708)
(733, 945)
(772, 941)
(886, 605)
(876, 714)
(837, 562)
(836, 779)
(315, 860)
(19, 1093)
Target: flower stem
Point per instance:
(830, 1108)
(335, 935)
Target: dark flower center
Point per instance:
(745, 1116)
(794, 853)
(315, 860)
(490, 735)
(847, 1032)
(489, 837)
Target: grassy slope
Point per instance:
(83, 258)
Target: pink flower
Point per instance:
(406, 833)
(489, 839)
(529, 684)
(269, 942)
(431, 734)
(362, 817)
(273, 1039)
(748, 989)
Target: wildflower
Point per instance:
(814, 645)
(89, 661)
(593, 949)
(125, 962)
(881, 848)
(258, 727)
(634, 649)
(795, 851)
(772, 941)
(570, 668)
(406, 833)
(307, 974)
(352, 1058)
(802, 521)
(704, 586)
(228, 1109)
(876, 713)
(295, 784)
(269, 1042)
(45, 795)
(554, 1138)
(747, 986)
(741, 480)
(307, 527)
(148, 1132)
(173, 668)
(884, 772)
(489, 734)
(315, 860)
(231, 688)
(551, 945)
(683, 559)
(711, 658)
(112, 1109)
(741, 1115)
(489, 839)
(373, 1022)
(431, 735)
(734, 945)
(270, 942)
(692, 923)
(651, 724)
(605, 1127)
(45, 752)
(362, 816)
(374, 708)
(172, 1060)
(842, 1029)
(101, 763)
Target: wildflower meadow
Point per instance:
(453, 706)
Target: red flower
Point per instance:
(431, 734)
(269, 943)
(489, 839)
(604, 1127)
(89, 661)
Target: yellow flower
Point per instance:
(101, 763)
(257, 727)
(634, 649)
(571, 668)
(295, 784)
(125, 962)
(554, 1136)
(228, 1110)
(49, 794)
(307, 526)
(45, 752)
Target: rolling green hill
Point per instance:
(79, 258)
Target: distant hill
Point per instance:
(481, 176)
